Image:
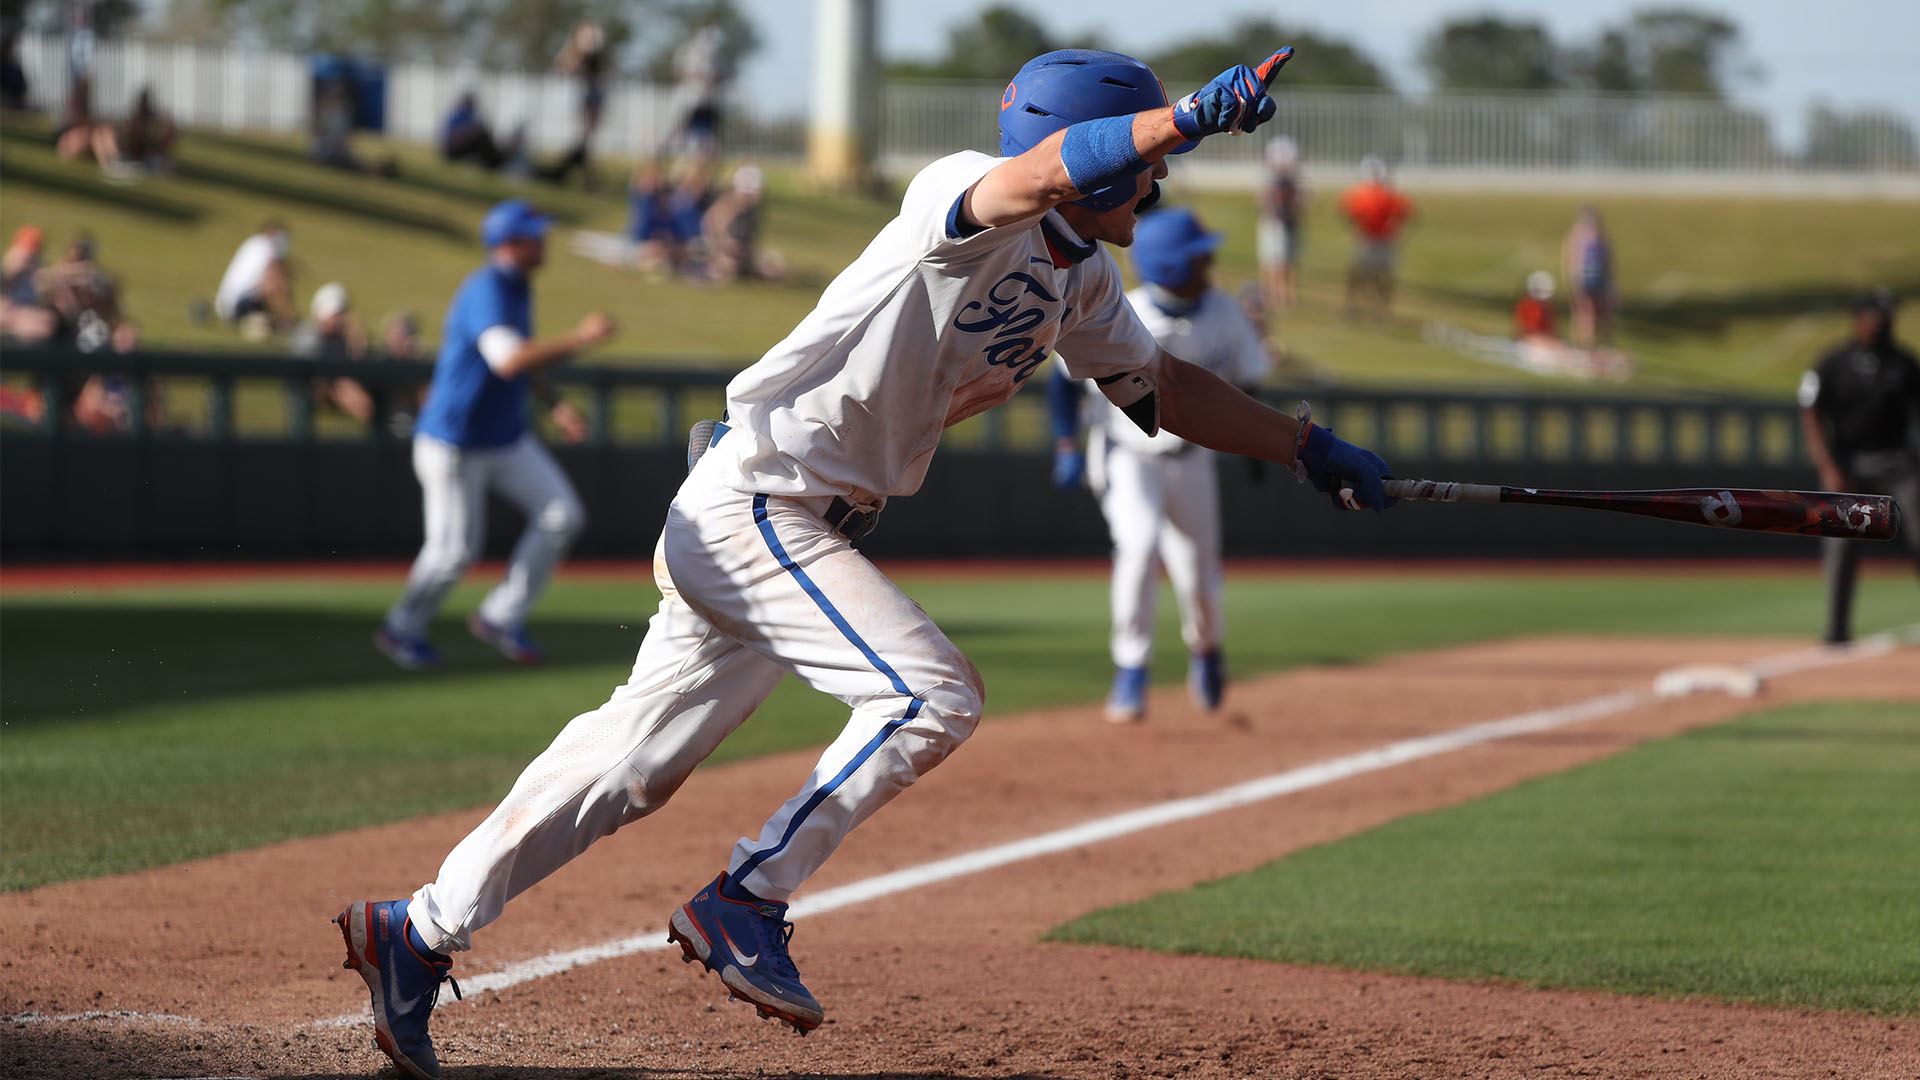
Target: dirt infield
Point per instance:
(224, 966)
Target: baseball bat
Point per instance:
(1802, 513)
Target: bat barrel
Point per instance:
(1840, 514)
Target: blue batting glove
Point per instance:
(1330, 464)
(1069, 469)
(1235, 101)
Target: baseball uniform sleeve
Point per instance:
(1102, 336)
(930, 209)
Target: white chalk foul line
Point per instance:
(1290, 782)
(122, 1016)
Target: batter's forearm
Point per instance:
(1040, 179)
(1201, 407)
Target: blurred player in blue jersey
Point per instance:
(473, 438)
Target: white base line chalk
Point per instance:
(1289, 782)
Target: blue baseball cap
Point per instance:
(1166, 242)
(515, 219)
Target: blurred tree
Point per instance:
(1679, 50)
(514, 34)
(1490, 53)
(1662, 50)
(989, 47)
(1604, 65)
(1319, 60)
(1869, 138)
(674, 21)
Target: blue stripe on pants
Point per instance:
(846, 629)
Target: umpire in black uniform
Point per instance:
(1860, 409)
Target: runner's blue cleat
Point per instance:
(1127, 701)
(404, 977)
(746, 942)
(1207, 679)
(511, 642)
(413, 654)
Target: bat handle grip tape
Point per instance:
(1442, 491)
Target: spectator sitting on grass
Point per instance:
(732, 227)
(1533, 316)
(648, 228)
(256, 292)
(80, 137)
(334, 333)
(146, 139)
(23, 317)
(84, 297)
(466, 136)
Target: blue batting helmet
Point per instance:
(1166, 242)
(1064, 87)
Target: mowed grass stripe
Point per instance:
(1774, 859)
(150, 725)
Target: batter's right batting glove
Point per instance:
(1235, 101)
(1332, 464)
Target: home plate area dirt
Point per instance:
(230, 967)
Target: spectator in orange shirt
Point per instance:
(1378, 212)
(1533, 316)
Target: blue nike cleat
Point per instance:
(404, 977)
(413, 654)
(514, 644)
(746, 942)
(1207, 679)
(1127, 701)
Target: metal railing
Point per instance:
(239, 398)
(1508, 132)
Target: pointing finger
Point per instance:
(1273, 64)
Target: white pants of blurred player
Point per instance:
(1163, 511)
(753, 588)
(454, 483)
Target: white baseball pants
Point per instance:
(1163, 510)
(752, 588)
(454, 483)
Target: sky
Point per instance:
(1844, 52)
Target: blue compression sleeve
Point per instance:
(1099, 152)
(1063, 405)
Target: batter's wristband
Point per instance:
(1098, 153)
(1302, 415)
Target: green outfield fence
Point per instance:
(226, 454)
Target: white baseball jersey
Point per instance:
(929, 326)
(1215, 334)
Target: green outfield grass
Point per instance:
(148, 725)
(1774, 859)
(1721, 293)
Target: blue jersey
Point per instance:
(468, 405)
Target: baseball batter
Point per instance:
(473, 439)
(1158, 491)
(992, 264)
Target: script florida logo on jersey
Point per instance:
(1017, 342)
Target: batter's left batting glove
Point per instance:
(1069, 469)
(1235, 101)
(1332, 465)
